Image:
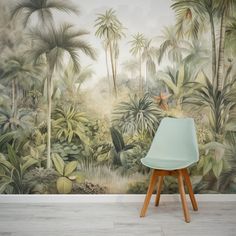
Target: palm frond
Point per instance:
(43, 8)
(137, 115)
(137, 43)
(55, 42)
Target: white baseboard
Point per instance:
(109, 198)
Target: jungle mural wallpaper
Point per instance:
(85, 84)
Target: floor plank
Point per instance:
(83, 219)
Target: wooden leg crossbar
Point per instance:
(182, 175)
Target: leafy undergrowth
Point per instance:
(112, 179)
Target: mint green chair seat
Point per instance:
(174, 145)
(173, 149)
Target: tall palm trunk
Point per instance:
(49, 101)
(14, 97)
(13, 107)
(113, 68)
(145, 75)
(115, 45)
(140, 75)
(116, 63)
(220, 69)
(107, 67)
(213, 49)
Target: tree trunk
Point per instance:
(13, 91)
(116, 62)
(140, 75)
(146, 76)
(116, 57)
(220, 69)
(213, 49)
(217, 117)
(108, 73)
(113, 70)
(49, 101)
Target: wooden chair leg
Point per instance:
(183, 196)
(159, 187)
(190, 190)
(152, 183)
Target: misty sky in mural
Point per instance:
(146, 17)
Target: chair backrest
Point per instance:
(175, 139)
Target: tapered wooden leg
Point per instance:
(183, 196)
(152, 183)
(159, 187)
(190, 190)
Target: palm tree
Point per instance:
(220, 104)
(198, 56)
(110, 29)
(204, 11)
(231, 36)
(106, 50)
(137, 47)
(9, 121)
(131, 66)
(84, 75)
(36, 103)
(198, 13)
(116, 54)
(70, 81)
(19, 73)
(11, 33)
(138, 115)
(43, 9)
(225, 10)
(52, 45)
(149, 55)
(197, 60)
(171, 45)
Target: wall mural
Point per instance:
(85, 84)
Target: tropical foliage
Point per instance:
(75, 119)
(70, 123)
(66, 172)
(13, 171)
(139, 115)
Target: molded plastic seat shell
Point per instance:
(174, 145)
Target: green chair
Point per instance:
(174, 148)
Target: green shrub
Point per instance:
(88, 188)
(41, 181)
(138, 188)
(68, 151)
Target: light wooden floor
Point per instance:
(113, 219)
